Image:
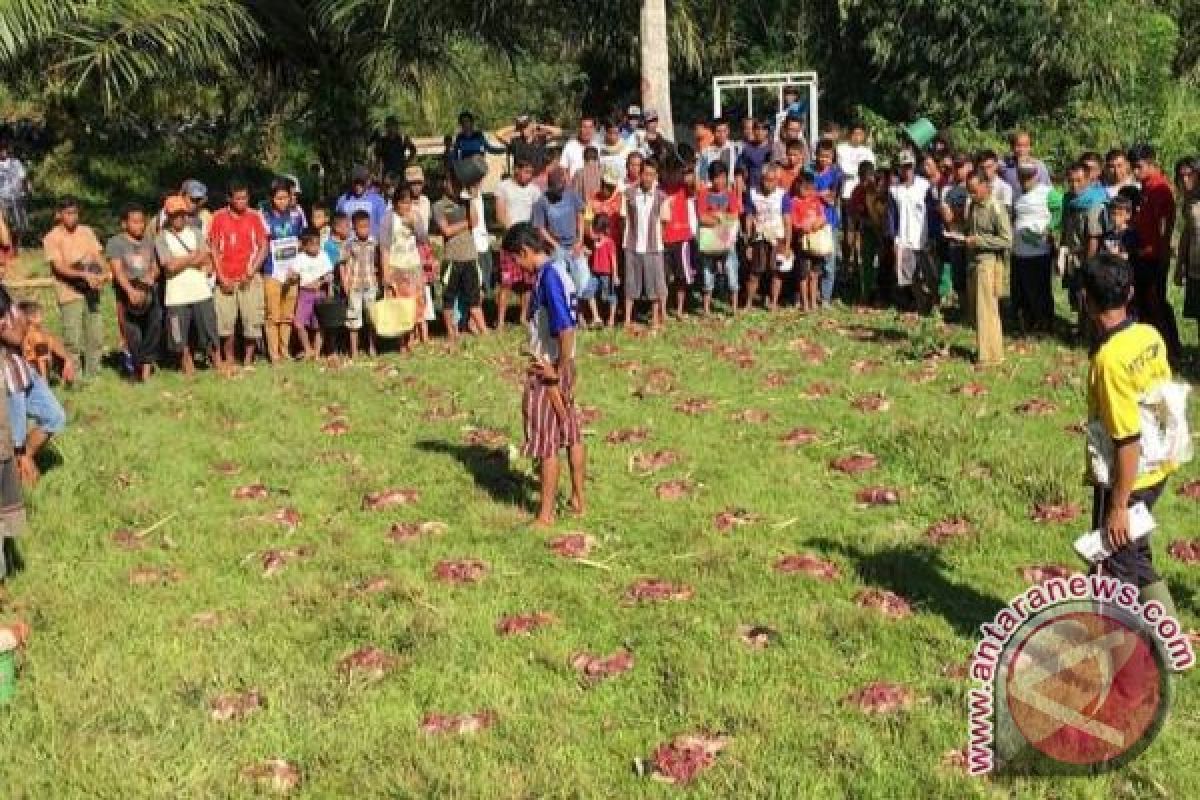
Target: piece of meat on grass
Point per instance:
(881, 697)
(1054, 512)
(1040, 573)
(877, 496)
(572, 545)
(336, 427)
(274, 775)
(948, 529)
(797, 437)
(886, 602)
(855, 463)
(752, 416)
(368, 663)
(757, 637)
(1185, 551)
(681, 760)
(518, 624)
(458, 724)
(732, 518)
(390, 498)
(1036, 407)
(627, 436)
(874, 403)
(674, 490)
(154, 576)
(253, 491)
(461, 571)
(647, 463)
(1190, 490)
(401, 532)
(808, 564)
(236, 705)
(695, 405)
(652, 590)
(596, 668)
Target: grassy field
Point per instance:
(117, 691)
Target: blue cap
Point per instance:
(194, 189)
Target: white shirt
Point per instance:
(518, 200)
(615, 156)
(850, 157)
(191, 285)
(483, 242)
(572, 156)
(1115, 189)
(1002, 192)
(911, 228)
(1032, 222)
(643, 202)
(312, 268)
(768, 214)
(12, 178)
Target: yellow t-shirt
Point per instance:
(1129, 363)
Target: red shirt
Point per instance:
(604, 256)
(236, 239)
(1157, 208)
(709, 201)
(679, 226)
(808, 213)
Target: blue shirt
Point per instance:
(561, 219)
(552, 309)
(369, 201)
(475, 144)
(754, 157)
(289, 224)
(830, 179)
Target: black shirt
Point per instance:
(532, 151)
(393, 150)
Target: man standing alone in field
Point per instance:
(548, 405)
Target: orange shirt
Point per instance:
(67, 248)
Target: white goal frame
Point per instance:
(774, 80)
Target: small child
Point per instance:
(320, 221)
(1121, 239)
(807, 217)
(604, 266)
(316, 274)
(361, 279)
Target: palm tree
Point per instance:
(656, 64)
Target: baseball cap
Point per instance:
(414, 174)
(523, 119)
(611, 175)
(176, 204)
(651, 115)
(906, 159)
(195, 189)
(360, 174)
(634, 111)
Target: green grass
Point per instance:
(114, 693)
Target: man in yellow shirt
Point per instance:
(1128, 361)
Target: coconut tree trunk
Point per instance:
(656, 65)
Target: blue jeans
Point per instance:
(709, 269)
(829, 271)
(39, 404)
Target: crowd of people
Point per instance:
(640, 227)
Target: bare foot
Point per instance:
(542, 521)
(577, 506)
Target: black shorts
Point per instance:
(681, 265)
(1134, 563)
(461, 280)
(196, 322)
(762, 258)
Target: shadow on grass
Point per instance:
(918, 573)
(489, 468)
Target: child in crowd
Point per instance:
(320, 220)
(866, 237)
(718, 209)
(587, 181)
(335, 245)
(1121, 239)
(401, 238)
(315, 274)
(792, 164)
(604, 266)
(42, 348)
(679, 233)
(766, 212)
(807, 218)
(361, 280)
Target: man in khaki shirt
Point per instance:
(988, 241)
(80, 273)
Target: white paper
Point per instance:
(284, 253)
(1093, 546)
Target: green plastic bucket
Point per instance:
(8, 676)
(921, 132)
